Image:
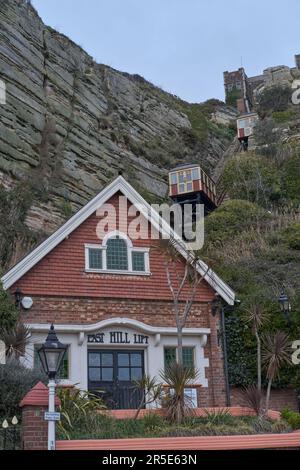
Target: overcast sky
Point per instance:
(181, 45)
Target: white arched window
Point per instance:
(116, 254)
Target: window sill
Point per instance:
(126, 273)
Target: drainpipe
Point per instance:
(225, 357)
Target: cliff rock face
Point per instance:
(70, 125)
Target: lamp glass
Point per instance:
(51, 354)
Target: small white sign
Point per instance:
(52, 416)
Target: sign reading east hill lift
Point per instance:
(118, 337)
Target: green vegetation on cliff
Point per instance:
(253, 241)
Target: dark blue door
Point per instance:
(112, 373)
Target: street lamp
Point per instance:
(51, 355)
(285, 306)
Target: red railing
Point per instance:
(257, 441)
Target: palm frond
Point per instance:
(178, 378)
(276, 352)
(16, 340)
(252, 397)
(256, 315)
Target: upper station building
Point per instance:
(107, 293)
(245, 127)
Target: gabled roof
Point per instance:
(119, 184)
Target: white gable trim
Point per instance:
(119, 184)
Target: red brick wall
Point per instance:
(280, 399)
(62, 271)
(64, 293)
(68, 310)
(156, 313)
(35, 428)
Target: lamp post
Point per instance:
(285, 306)
(51, 355)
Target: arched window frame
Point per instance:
(130, 250)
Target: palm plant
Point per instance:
(252, 396)
(178, 378)
(257, 317)
(76, 406)
(276, 353)
(15, 340)
(151, 392)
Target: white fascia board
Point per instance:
(119, 184)
(123, 322)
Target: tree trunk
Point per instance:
(258, 361)
(268, 396)
(179, 338)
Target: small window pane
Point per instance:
(173, 178)
(116, 254)
(107, 360)
(136, 373)
(188, 175)
(181, 177)
(107, 374)
(136, 360)
(189, 187)
(95, 258)
(188, 357)
(138, 261)
(94, 359)
(94, 374)
(123, 359)
(170, 356)
(195, 174)
(181, 188)
(123, 374)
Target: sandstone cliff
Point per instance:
(70, 125)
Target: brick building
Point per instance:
(107, 293)
(237, 90)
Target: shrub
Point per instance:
(252, 177)
(265, 133)
(231, 218)
(77, 407)
(8, 311)
(15, 381)
(291, 417)
(217, 417)
(291, 236)
(283, 116)
(232, 97)
(291, 177)
(153, 422)
(275, 98)
(280, 427)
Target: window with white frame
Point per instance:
(116, 254)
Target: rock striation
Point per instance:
(69, 125)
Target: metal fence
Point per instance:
(10, 434)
